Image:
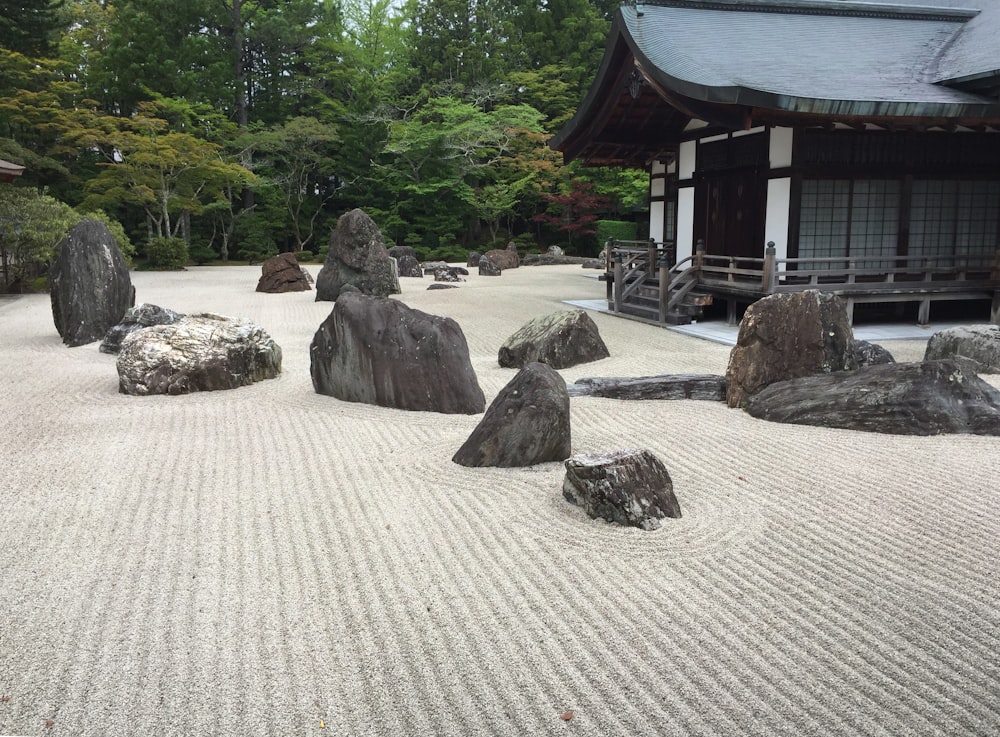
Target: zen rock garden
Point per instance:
(795, 361)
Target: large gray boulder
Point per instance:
(90, 287)
(561, 339)
(357, 256)
(786, 336)
(203, 352)
(630, 487)
(527, 423)
(487, 267)
(504, 258)
(282, 273)
(141, 316)
(379, 351)
(979, 345)
(928, 398)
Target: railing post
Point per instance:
(664, 292)
(769, 277)
(619, 280)
(699, 254)
(650, 257)
(609, 274)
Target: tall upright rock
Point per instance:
(90, 287)
(357, 256)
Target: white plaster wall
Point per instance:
(686, 159)
(780, 148)
(685, 223)
(779, 197)
(656, 221)
(658, 167)
(657, 187)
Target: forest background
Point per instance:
(208, 130)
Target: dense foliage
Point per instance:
(245, 127)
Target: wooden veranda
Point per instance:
(644, 282)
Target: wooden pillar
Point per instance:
(924, 313)
(664, 289)
(650, 257)
(699, 254)
(609, 272)
(769, 279)
(619, 281)
(995, 308)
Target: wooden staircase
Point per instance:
(638, 293)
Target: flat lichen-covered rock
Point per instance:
(630, 487)
(197, 353)
(379, 351)
(90, 287)
(929, 398)
(562, 339)
(141, 316)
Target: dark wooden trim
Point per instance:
(782, 173)
(794, 214)
(905, 211)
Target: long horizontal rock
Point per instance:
(711, 387)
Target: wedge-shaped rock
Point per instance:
(90, 284)
(928, 398)
(561, 340)
(197, 353)
(527, 423)
(406, 261)
(379, 351)
(786, 336)
(630, 487)
(977, 344)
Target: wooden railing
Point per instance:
(634, 265)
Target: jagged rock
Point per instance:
(357, 256)
(871, 354)
(379, 351)
(438, 285)
(630, 487)
(282, 273)
(926, 398)
(202, 352)
(785, 336)
(487, 267)
(473, 259)
(561, 340)
(527, 423)
(141, 316)
(546, 259)
(448, 274)
(90, 284)
(977, 344)
(406, 261)
(711, 387)
(504, 258)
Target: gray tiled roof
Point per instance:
(833, 56)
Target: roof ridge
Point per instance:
(857, 8)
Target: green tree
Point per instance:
(29, 26)
(31, 226)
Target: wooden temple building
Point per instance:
(846, 146)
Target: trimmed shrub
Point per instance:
(166, 253)
(622, 230)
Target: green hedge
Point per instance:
(622, 230)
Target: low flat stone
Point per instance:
(449, 274)
(439, 285)
(711, 387)
(977, 344)
(630, 487)
(141, 316)
(928, 398)
(203, 352)
(561, 339)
